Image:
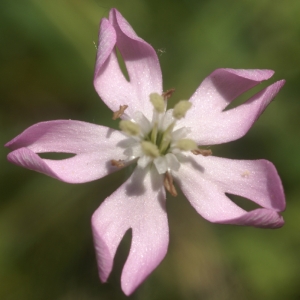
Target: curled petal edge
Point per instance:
(261, 218)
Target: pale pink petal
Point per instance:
(141, 62)
(261, 217)
(138, 204)
(95, 146)
(205, 180)
(209, 123)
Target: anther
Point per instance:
(168, 184)
(181, 108)
(120, 112)
(117, 163)
(129, 127)
(158, 102)
(204, 152)
(166, 95)
(150, 149)
(186, 145)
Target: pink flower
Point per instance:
(165, 146)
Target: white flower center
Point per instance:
(158, 141)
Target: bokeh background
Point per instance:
(47, 57)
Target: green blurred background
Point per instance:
(47, 59)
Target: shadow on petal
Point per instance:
(192, 162)
(110, 131)
(127, 142)
(156, 180)
(157, 185)
(136, 187)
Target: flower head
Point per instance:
(166, 146)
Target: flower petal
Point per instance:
(94, 146)
(209, 123)
(138, 204)
(205, 180)
(261, 217)
(141, 62)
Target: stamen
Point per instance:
(186, 145)
(158, 102)
(204, 152)
(166, 95)
(154, 142)
(166, 138)
(154, 132)
(168, 184)
(120, 112)
(165, 142)
(129, 127)
(150, 149)
(117, 163)
(181, 108)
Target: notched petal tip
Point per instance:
(255, 180)
(211, 122)
(145, 214)
(91, 158)
(141, 63)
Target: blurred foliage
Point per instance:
(47, 56)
